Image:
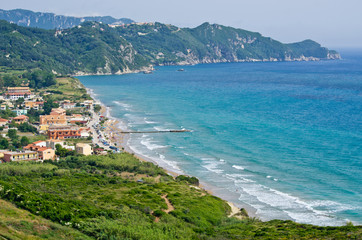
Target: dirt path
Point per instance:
(169, 205)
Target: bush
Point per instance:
(190, 180)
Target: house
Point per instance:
(20, 112)
(44, 153)
(77, 118)
(58, 111)
(3, 107)
(21, 156)
(31, 104)
(3, 122)
(84, 133)
(21, 119)
(57, 116)
(40, 143)
(88, 104)
(68, 105)
(83, 148)
(63, 132)
(14, 93)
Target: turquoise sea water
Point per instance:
(283, 139)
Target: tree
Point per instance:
(19, 101)
(12, 134)
(24, 141)
(48, 105)
(4, 144)
(60, 151)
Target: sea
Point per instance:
(281, 139)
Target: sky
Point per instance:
(333, 23)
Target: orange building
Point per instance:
(44, 153)
(58, 111)
(63, 132)
(57, 116)
(21, 119)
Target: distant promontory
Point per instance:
(96, 46)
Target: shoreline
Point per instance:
(121, 140)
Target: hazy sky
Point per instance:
(333, 23)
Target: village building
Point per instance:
(31, 104)
(56, 117)
(19, 112)
(83, 148)
(3, 122)
(68, 105)
(40, 143)
(77, 118)
(6, 105)
(14, 93)
(20, 156)
(21, 119)
(87, 103)
(63, 132)
(44, 153)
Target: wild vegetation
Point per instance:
(119, 197)
(96, 48)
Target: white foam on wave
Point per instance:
(212, 164)
(296, 208)
(149, 121)
(125, 106)
(157, 158)
(161, 128)
(212, 167)
(238, 167)
(150, 144)
(134, 119)
(271, 203)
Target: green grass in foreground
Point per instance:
(20, 224)
(101, 197)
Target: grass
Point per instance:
(35, 138)
(101, 197)
(68, 88)
(16, 223)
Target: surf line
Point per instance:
(161, 131)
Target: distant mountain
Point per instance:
(28, 18)
(164, 44)
(97, 48)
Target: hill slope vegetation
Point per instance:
(96, 48)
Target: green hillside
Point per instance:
(119, 197)
(95, 48)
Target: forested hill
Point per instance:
(28, 18)
(97, 48)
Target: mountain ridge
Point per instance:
(98, 48)
(45, 20)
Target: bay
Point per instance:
(282, 139)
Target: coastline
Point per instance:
(120, 140)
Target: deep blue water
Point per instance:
(281, 138)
